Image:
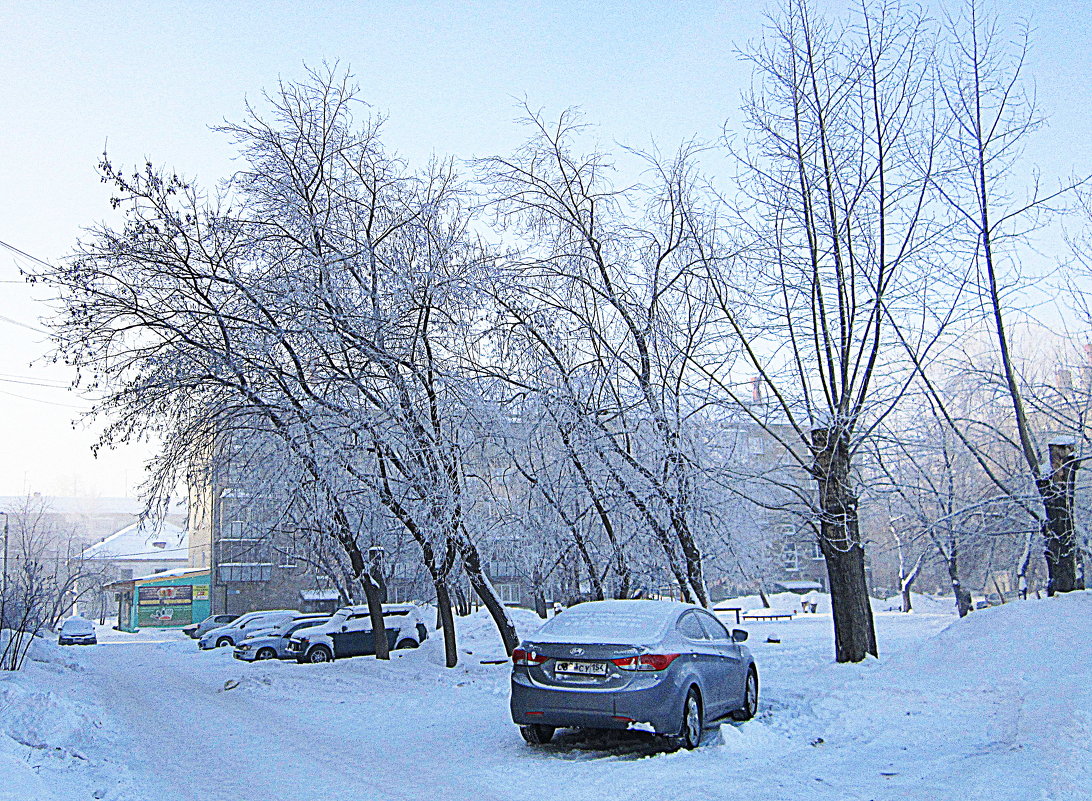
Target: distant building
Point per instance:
(237, 533)
(169, 599)
(89, 520)
(145, 547)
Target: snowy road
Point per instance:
(964, 713)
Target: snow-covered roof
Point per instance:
(146, 540)
(320, 595)
(178, 571)
(798, 586)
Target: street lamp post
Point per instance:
(4, 591)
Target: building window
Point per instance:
(237, 572)
(244, 559)
(816, 551)
(509, 593)
(789, 558)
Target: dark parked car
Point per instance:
(658, 666)
(197, 630)
(349, 633)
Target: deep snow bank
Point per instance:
(996, 706)
(42, 724)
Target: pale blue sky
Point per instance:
(149, 78)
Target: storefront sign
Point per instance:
(165, 605)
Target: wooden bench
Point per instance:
(736, 609)
(768, 615)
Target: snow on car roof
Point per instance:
(77, 624)
(620, 622)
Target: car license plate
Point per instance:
(581, 668)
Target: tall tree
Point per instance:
(839, 221)
(993, 115)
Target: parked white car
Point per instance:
(349, 633)
(77, 630)
(234, 632)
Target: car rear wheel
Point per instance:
(537, 734)
(319, 654)
(265, 653)
(692, 723)
(406, 643)
(223, 642)
(750, 697)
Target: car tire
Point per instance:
(537, 734)
(265, 653)
(406, 643)
(224, 641)
(693, 724)
(319, 654)
(750, 697)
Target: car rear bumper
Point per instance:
(657, 707)
(77, 641)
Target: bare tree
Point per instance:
(604, 314)
(318, 296)
(45, 575)
(993, 116)
(842, 234)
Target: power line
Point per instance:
(24, 254)
(57, 381)
(23, 325)
(33, 383)
(39, 400)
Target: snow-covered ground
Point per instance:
(996, 706)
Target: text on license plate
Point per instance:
(582, 668)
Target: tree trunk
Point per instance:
(840, 541)
(540, 596)
(375, 614)
(1022, 567)
(962, 597)
(1058, 530)
(484, 589)
(447, 624)
(762, 595)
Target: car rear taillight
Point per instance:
(527, 658)
(646, 662)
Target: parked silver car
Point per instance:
(77, 630)
(657, 666)
(234, 632)
(270, 643)
(198, 630)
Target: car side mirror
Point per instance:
(739, 635)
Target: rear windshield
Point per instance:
(603, 625)
(77, 625)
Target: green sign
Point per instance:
(165, 605)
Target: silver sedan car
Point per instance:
(271, 643)
(656, 666)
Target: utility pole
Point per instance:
(4, 591)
